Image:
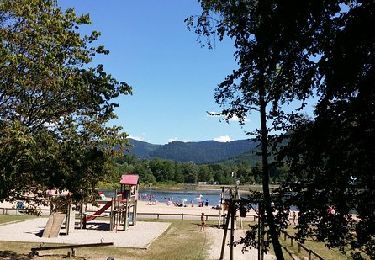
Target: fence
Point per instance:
(30, 211)
(293, 240)
(181, 216)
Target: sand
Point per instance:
(139, 236)
(189, 211)
(215, 237)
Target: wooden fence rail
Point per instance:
(300, 245)
(31, 211)
(186, 216)
(178, 215)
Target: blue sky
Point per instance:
(173, 78)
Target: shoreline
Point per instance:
(189, 186)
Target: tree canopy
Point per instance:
(55, 103)
(293, 50)
(332, 155)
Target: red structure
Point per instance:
(130, 179)
(129, 191)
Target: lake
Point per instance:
(181, 196)
(163, 196)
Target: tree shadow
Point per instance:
(13, 255)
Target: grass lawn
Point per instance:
(182, 240)
(13, 218)
(318, 247)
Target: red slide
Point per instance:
(99, 212)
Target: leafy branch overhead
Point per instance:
(295, 50)
(50, 89)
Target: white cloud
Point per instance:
(138, 138)
(234, 118)
(214, 114)
(223, 138)
(176, 139)
(172, 139)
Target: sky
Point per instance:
(172, 76)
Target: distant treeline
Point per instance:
(158, 170)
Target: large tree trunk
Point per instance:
(265, 174)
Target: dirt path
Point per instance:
(215, 238)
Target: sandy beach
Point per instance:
(163, 208)
(139, 236)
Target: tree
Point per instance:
(332, 154)
(54, 105)
(262, 82)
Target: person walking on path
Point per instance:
(203, 222)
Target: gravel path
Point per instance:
(139, 236)
(215, 237)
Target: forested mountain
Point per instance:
(141, 149)
(197, 152)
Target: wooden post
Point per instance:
(221, 206)
(262, 235)
(260, 231)
(135, 210)
(68, 212)
(126, 219)
(225, 236)
(232, 220)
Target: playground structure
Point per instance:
(123, 206)
(121, 209)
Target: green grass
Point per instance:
(12, 218)
(182, 240)
(318, 247)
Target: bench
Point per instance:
(35, 250)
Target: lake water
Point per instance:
(162, 196)
(212, 197)
(181, 196)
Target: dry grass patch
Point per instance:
(14, 218)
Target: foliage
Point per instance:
(262, 82)
(165, 171)
(54, 103)
(293, 49)
(332, 156)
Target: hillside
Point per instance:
(142, 149)
(197, 152)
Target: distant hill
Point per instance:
(249, 157)
(197, 152)
(142, 149)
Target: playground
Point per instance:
(139, 236)
(112, 220)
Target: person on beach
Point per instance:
(294, 218)
(203, 222)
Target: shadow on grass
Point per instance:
(13, 256)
